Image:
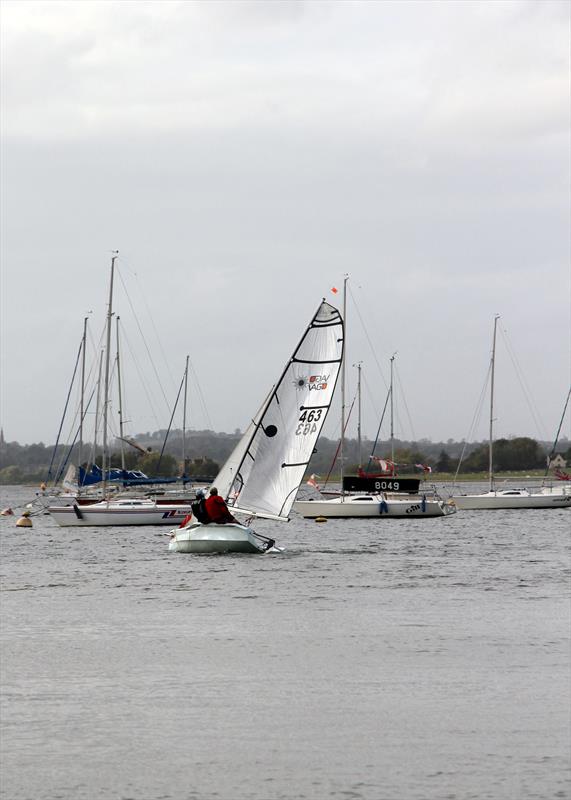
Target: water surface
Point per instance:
(372, 660)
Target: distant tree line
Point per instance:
(207, 450)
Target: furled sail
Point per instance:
(263, 473)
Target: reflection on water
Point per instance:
(374, 659)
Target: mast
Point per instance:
(82, 391)
(184, 421)
(341, 447)
(107, 360)
(358, 365)
(97, 408)
(392, 417)
(492, 375)
(121, 434)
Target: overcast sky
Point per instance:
(244, 156)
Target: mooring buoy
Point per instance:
(24, 521)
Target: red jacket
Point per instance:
(217, 509)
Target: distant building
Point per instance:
(557, 461)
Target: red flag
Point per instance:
(334, 289)
(186, 520)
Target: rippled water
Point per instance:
(374, 660)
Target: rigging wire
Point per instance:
(403, 398)
(475, 419)
(110, 420)
(73, 433)
(65, 460)
(170, 425)
(376, 359)
(370, 395)
(552, 453)
(64, 412)
(373, 350)
(141, 379)
(201, 396)
(339, 444)
(162, 350)
(524, 385)
(166, 362)
(143, 339)
(378, 430)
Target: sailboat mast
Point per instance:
(184, 420)
(358, 365)
(492, 375)
(97, 409)
(121, 434)
(82, 391)
(107, 361)
(392, 415)
(343, 389)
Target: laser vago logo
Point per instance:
(318, 381)
(314, 382)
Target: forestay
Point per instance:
(263, 473)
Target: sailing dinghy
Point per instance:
(262, 475)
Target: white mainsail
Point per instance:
(264, 471)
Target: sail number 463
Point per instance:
(307, 422)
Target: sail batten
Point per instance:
(306, 361)
(284, 431)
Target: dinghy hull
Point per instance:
(229, 538)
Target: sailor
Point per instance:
(199, 507)
(217, 509)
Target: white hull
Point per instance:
(515, 498)
(121, 512)
(377, 506)
(212, 538)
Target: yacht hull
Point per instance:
(119, 513)
(522, 499)
(375, 507)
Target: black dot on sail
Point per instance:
(301, 382)
(271, 430)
